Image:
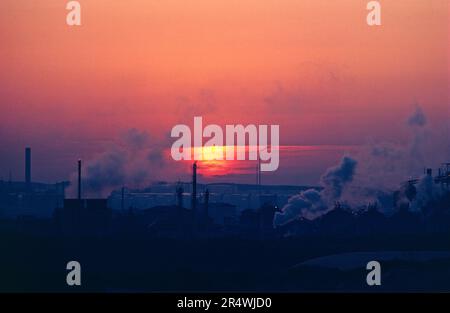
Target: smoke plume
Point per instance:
(383, 167)
(134, 160)
(418, 118)
(375, 172)
(312, 203)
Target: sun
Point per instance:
(212, 160)
(212, 153)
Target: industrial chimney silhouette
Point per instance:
(28, 166)
(122, 199)
(206, 204)
(79, 179)
(179, 191)
(194, 187)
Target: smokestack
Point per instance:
(206, 202)
(122, 203)
(194, 187)
(28, 166)
(259, 175)
(79, 179)
(429, 172)
(180, 196)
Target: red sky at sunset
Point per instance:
(314, 67)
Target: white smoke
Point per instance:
(427, 191)
(134, 160)
(312, 203)
(336, 178)
(418, 118)
(382, 167)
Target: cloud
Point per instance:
(313, 203)
(134, 159)
(335, 178)
(200, 104)
(418, 118)
(108, 170)
(383, 167)
(427, 191)
(136, 139)
(375, 172)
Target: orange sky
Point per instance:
(313, 66)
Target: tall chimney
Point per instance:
(79, 179)
(206, 204)
(180, 196)
(122, 202)
(194, 187)
(28, 166)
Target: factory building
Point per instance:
(83, 217)
(28, 198)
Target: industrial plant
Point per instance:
(28, 198)
(189, 210)
(248, 237)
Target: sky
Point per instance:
(314, 67)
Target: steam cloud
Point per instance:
(427, 191)
(384, 166)
(335, 178)
(133, 161)
(418, 118)
(381, 168)
(312, 203)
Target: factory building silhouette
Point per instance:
(28, 198)
(193, 210)
(83, 217)
(94, 217)
(202, 219)
(197, 233)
